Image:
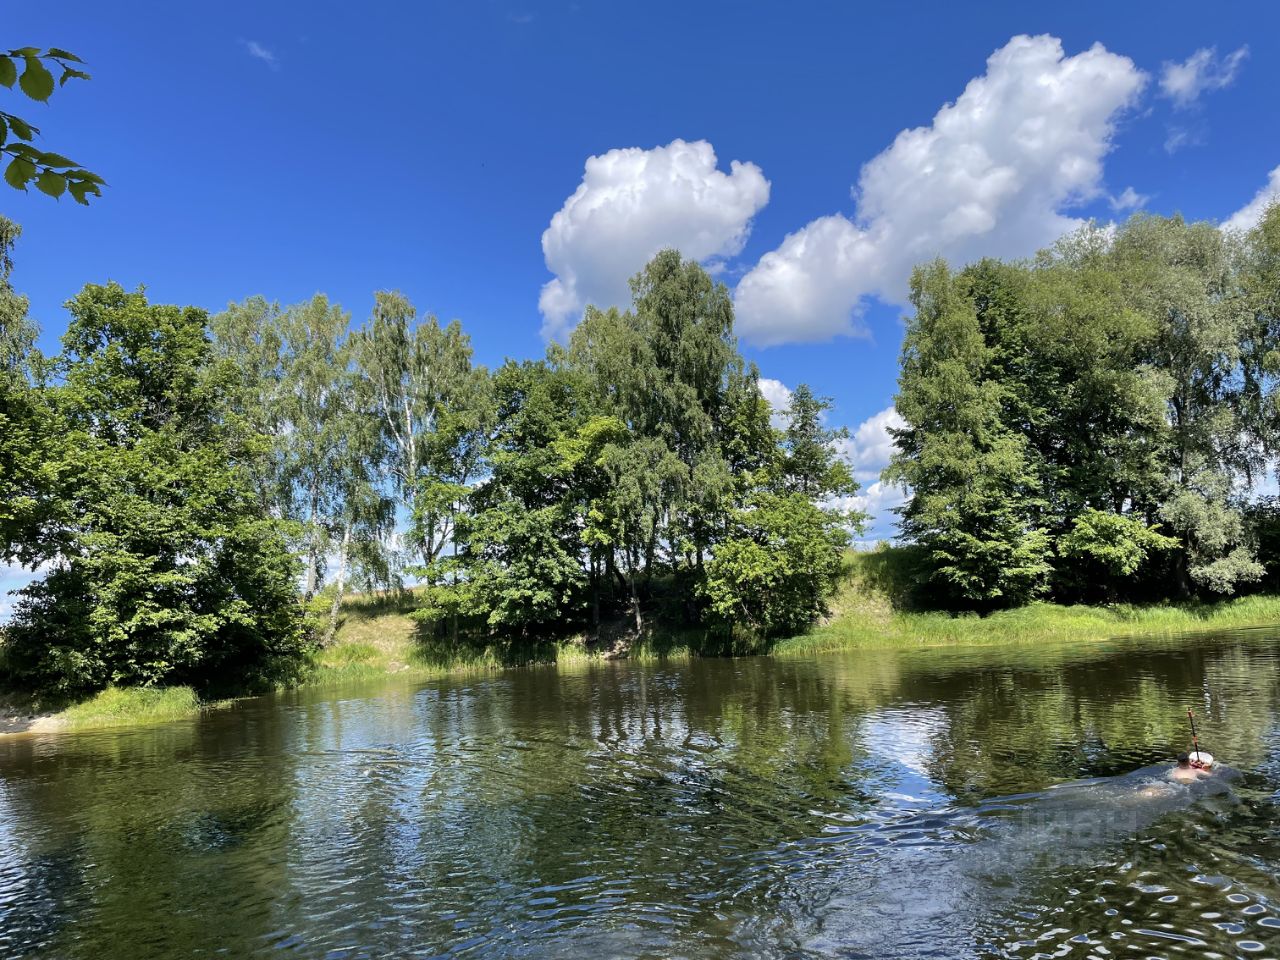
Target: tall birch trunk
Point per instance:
(341, 584)
(313, 545)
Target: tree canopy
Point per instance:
(202, 490)
(161, 565)
(1093, 423)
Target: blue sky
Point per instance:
(285, 148)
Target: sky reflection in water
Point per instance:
(886, 804)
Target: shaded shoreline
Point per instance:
(14, 719)
(382, 644)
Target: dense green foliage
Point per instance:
(1092, 424)
(25, 474)
(191, 485)
(201, 492)
(162, 566)
(636, 472)
(52, 173)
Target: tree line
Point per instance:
(1096, 423)
(200, 491)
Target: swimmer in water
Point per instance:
(1187, 770)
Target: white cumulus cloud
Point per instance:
(779, 396)
(871, 445)
(868, 450)
(1248, 216)
(990, 176)
(878, 500)
(1203, 71)
(632, 203)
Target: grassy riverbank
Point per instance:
(1036, 623)
(378, 638)
(112, 707)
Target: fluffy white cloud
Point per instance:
(868, 450)
(1203, 71)
(632, 203)
(779, 396)
(1129, 199)
(878, 500)
(871, 445)
(990, 176)
(1248, 216)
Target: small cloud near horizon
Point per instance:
(259, 52)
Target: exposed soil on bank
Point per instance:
(15, 719)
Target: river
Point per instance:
(947, 802)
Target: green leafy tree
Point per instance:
(779, 557)
(455, 453)
(362, 520)
(311, 412)
(420, 378)
(589, 454)
(311, 419)
(774, 572)
(646, 478)
(810, 462)
(669, 370)
(52, 173)
(29, 473)
(164, 568)
(1071, 355)
(520, 548)
(1183, 276)
(975, 498)
(1113, 546)
(248, 344)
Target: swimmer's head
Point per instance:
(1184, 760)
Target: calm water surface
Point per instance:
(948, 803)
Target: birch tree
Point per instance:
(418, 377)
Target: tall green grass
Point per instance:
(865, 614)
(132, 706)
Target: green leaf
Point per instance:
(8, 72)
(54, 184)
(36, 81)
(24, 150)
(25, 52)
(19, 171)
(78, 189)
(4, 131)
(55, 160)
(86, 175)
(82, 189)
(63, 55)
(68, 73)
(21, 128)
